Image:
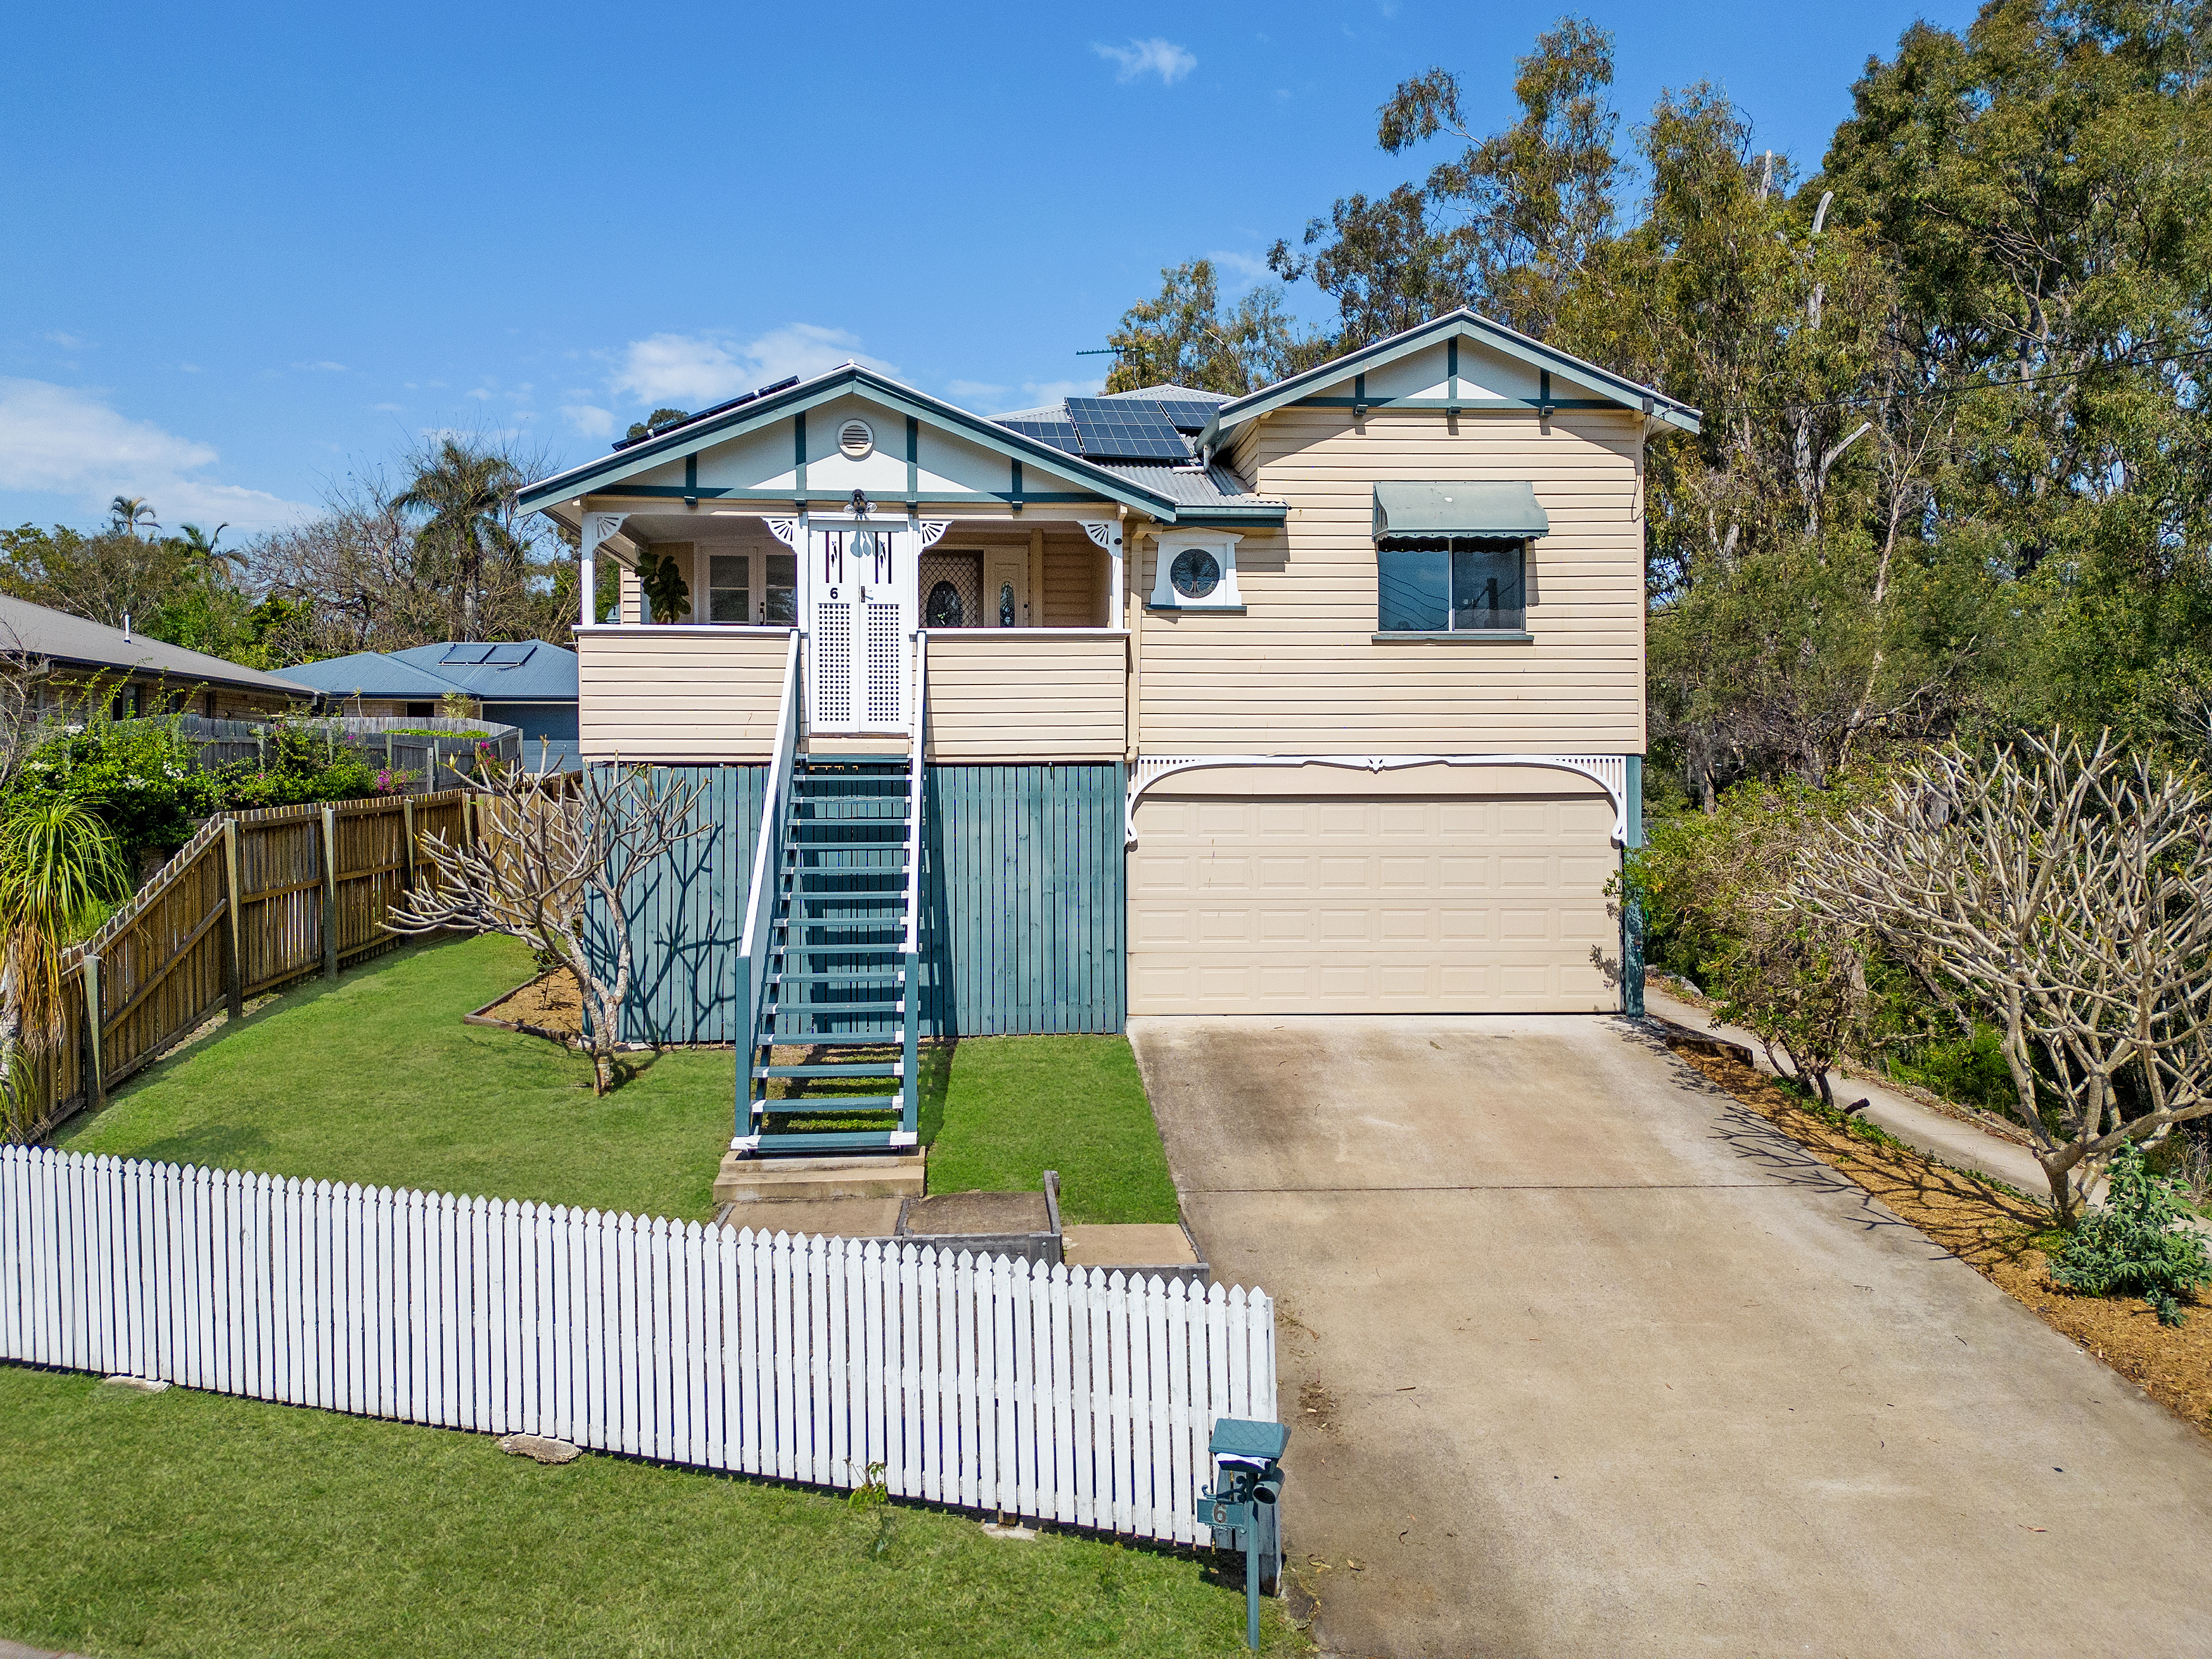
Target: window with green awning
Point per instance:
(1505, 511)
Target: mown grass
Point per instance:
(373, 1079)
(185, 1524)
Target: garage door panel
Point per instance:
(1345, 906)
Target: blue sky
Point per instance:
(255, 248)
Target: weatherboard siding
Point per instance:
(679, 695)
(1301, 671)
(1027, 695)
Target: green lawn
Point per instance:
(185, 1524)
(375, 1079)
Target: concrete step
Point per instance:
(881, 1175)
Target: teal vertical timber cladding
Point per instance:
(684, 913)
(1022, 905)
(1022, 899)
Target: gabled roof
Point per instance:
(37, 630)
(537, 672)
(1460, 324)
(704, 432)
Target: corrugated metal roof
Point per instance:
(371, 674)
(1188, 486)
(547, 674)
(40, 631)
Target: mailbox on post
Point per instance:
(1244, 1505)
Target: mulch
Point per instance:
(1994, 1232)
(546, 1007)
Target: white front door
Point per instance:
(860, 583)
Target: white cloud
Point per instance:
(66, 342)
(385, 409)
(326, 366)
(972, 389)
(1244, 269)
(1154, 57)
(67, 442)
(589, 419)
(693, 370)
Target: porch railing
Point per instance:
(911, 947)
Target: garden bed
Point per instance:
(1999, 1233)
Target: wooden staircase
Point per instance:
(829, 1064)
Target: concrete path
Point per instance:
(1582, 1357)
(1957, 1143)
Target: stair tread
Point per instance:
(830, 1039)
(835, 1068)
(854, 1104)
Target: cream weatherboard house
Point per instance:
(1327, 699)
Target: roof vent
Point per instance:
(856, 439)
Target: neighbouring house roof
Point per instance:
(76, 642)
(525, 671)
(1459, 509)
(1606, 386)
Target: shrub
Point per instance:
(2137, 1243)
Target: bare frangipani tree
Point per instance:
(553, 868)
(2063, 894)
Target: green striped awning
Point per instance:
(1458, 509)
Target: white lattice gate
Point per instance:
(1066, 1394)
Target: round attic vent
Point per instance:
(856, 439)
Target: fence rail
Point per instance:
(435, 750)
(1067, 1394)
(254, 900)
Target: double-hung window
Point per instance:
(1451, 584)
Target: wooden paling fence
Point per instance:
(252, 901)
(1069, 1394)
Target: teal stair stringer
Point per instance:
(830, 961)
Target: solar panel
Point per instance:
(1187, 417)
(1061, 434)
(1125, 430)
(511, 656)
(464, 653)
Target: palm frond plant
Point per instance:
(59, 865)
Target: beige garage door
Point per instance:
(1332, 904)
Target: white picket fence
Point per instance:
(1067, 1394)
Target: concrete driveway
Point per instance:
(1582, 1359)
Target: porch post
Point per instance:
(1106, 533)
(598, 528)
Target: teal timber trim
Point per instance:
(799, 451)
(605, 476)
(1022, 898)
(1530, 405)
(1462, 323)
(914, 461)
(1631, 913)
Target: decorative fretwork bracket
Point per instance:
(1608, 772)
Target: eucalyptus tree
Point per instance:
(1184, 336)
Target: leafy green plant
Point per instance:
(59, 866)
(661, 577)
(2137, 1243)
